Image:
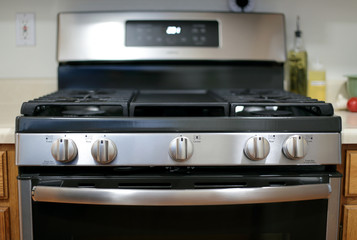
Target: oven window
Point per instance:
(274, 221)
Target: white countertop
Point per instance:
(7, 135)
(7, 122)
(349, 128)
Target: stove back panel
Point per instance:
(171, 50)
(108, 36)
(173, 75)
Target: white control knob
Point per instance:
(181, 149)
(64, 150)
(104, 151)
(295, 147)
(257, 148)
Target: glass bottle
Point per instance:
(297, 58)
(317, 81)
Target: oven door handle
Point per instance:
(180, 197)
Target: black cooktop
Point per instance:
(175, 103)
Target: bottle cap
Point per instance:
(316, 65)
(298, 32)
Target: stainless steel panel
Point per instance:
(187, 197)
(25, 209)
(152, 149)
(332, 230)
(100, 36)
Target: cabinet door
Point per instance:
(351, 174)
(3, 176)
(4, 223)
(9, 205)
(350, 222)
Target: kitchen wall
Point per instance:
(329, 27)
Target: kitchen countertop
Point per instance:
(7, 122)
(7, 135)
(349, 128)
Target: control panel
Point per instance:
(172, 33)
(177, 149)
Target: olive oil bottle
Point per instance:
(317, 81)
(297, 58)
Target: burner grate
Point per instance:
(180, 103)
(273, 103)
(79, 103)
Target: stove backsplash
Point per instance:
(171, 50)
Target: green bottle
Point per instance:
(297, 58)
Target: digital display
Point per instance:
(172, 33)
(173, 30)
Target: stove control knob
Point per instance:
(295, 147)
(257, 148)
(64, 150)
(181, 149)
(104, 151)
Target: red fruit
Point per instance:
(352, 104)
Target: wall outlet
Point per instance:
(25, 29)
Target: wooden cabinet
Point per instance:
(350, 222)
(4, 223)
(348, 213)
(351, 173)
(9, 213)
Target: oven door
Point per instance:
(191, 207)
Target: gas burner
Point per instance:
(83, 111)
(80, 103)
(263, 96)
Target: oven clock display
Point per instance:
(172, 33)
(172, 30)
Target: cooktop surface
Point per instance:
(175, 103)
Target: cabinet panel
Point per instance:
(4, 223)
(351, 173)
(350, 222)
(9, 206)
(3, 176)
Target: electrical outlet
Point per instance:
(25, 29)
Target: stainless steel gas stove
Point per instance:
(177, 128)
(164, 115)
